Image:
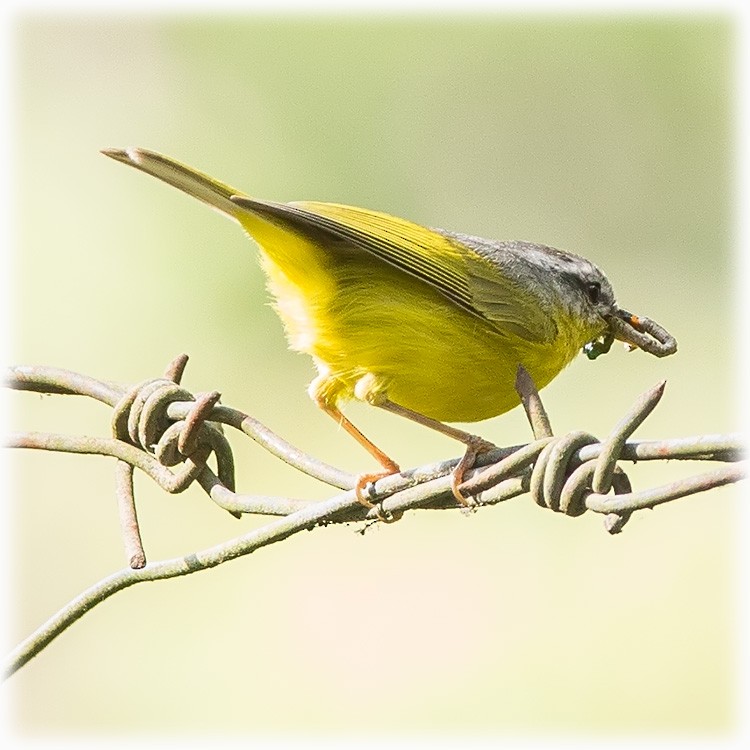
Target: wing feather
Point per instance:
(457, 271)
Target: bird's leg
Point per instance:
(532, 404)
(389, 466)
(474, 444)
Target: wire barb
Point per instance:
(131, 532)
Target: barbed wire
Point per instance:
(157, 425)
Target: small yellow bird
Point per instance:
(426, 323)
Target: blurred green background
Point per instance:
(608, 136)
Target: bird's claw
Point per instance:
(473, 448)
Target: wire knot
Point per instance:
(561, 482)
(141, 418)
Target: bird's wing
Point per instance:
(458, 272)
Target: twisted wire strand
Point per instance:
(162, 429)
(141, 408)
(162, 421)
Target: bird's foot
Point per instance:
(474, 447)
(360, 490)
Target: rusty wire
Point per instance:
(157, 424)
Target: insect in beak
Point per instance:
(636, 332)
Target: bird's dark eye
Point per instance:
(593, 291)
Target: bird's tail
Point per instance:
(185, 178)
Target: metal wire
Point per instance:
(158, 424)
(163, 430)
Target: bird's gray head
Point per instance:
(566, 287)
(566, 280)
(573, 292)
(587, 296)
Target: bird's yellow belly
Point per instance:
(446, 365)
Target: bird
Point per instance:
(422, 322)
